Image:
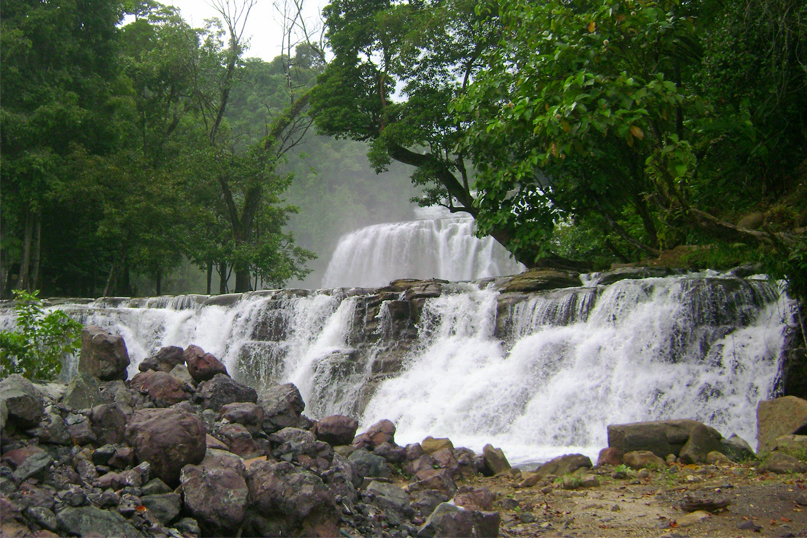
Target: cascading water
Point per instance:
(438, 245)
(537, 374)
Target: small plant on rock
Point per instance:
(41, 340)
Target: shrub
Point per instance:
(36, 347)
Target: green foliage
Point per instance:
(40, 342)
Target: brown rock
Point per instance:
(108, 424)
(782, 416)
(222, 390)
(215, 493)
(202, 366)
(661, 437)
(163, 389)
(781, 463)
(472, 498)
(610, 456)
(103, 354)
(495, 461)
(566, 464)
(168, 439)
(165, 360)
(282, 406)
(248, 414)
(643, 459)
(337, 430)
(702, 440)
(238, 439)
(431, 445)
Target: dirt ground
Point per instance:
(759, 504)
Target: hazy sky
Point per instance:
(263, 26)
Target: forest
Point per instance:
(574, 132)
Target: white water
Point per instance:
(576, 360)
(441, 247)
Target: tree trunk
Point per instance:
(23, 281)
(209, 277)
(158, 283)
(242, 280)
(222, 278)
(36, 253)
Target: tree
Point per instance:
(396, 68)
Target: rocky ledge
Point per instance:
(184, 450)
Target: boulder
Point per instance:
(342, 478)
(23, 404)
(610, 456)
(52, 428)
(380, 432)
(702, 440)
(169, 439)
(82, 392)
(494, 461)
(431, 445)
(92, 521)
(782, 416)
(394, 495)
(472, 498)
(162, 388)
(164, 360)
(448, 520)
(795, 445)
(337, 430)
(238, 440)
(286, 500)
(781, 463)
(103, 354)
(661, 437)
(436, 479)
(108, 423)
(369, 465)
(216, 493)
(643, 459)
(164, 506)
(80, 429)
(542, 279)
(282, 406)
(392, 453)
(35, 465)
(222, 390)
(202, 366)
(565, 464)
(736, 448)
(248, 414)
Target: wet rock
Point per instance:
(659, 437)
(447, 520)
(781, 463)
(168, 438)
(736, 448)
(541, 279)
(165, 360)
(248, 414)
(222, 390)
(288, 500)
(83, 392)
(282, 406)
(23, 404)
(431, 445)
(701, 441)
(162, 388)
(203, 366)
(181, 374)
(369, 465)
(215, 493)
(337, 430)
(642, 459)
(782, 416)
(108, 424)
(90, 520)
(380, 432)
(103, 354)
(495, 461)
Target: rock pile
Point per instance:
(184, 450)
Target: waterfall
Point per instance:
(538, 374)
(437, 245)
